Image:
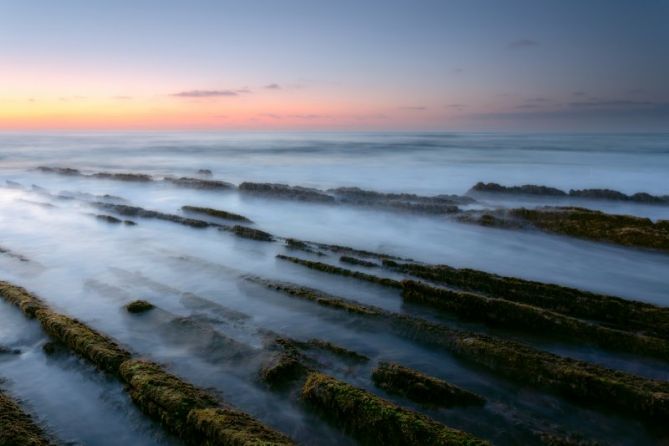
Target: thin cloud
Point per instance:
(620, 103)
(123, 98)
(538, 100)
(611, 108)
(308, 116)
(210, 93)
(522, 43)
(414, 108)
(458, 107)
(271, 115)
(272, 87)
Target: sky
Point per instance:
(444, 65)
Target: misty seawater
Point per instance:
(89, 269)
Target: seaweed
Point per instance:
(17, 428)
(331, 269)
(216, 213)
(421, 388)
(623, 314)
(523, 317)
(373, 420)
(139, 306)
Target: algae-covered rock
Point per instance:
(282, 368)
(191, 413)
(17, 427)
(356, 261)
(183, 409)
(523, 317)
(139, 306)
(336, 349)
(18, 296)
(216, 213)
(626, 230)
(170, 395)
(198, 183)
(251, 233)
(527, 189)
(222, 426)
(331, 269)
(420, 387)
(581, 381)
(623, 314)
(134, 211)
(373, 420)
(97, 348)
(60, 170)
(285, 191)
(108, 219)
(123, 176)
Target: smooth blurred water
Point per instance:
(89, 269)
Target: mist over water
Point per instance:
(89, 269)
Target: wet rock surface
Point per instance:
(191, 413)
(139, 306)
(620, 313)
(421, 388)
(373, 420)
(218, 213)
(594, 194)
(198, 183)
(285, 191)
(17, 428)
(580, 381)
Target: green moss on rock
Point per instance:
(139, 306)
(251, 233)
(81, 339)
(191, 413)
(620, 313)
(216, 213)
(581, 381)
(624, 230)
(373, 420)
(523, 317)
(420, 387)
(282, 369)
(18, 296)
(17, 427)
(222, 426)
(331, 269)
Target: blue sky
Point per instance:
(433, 65)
